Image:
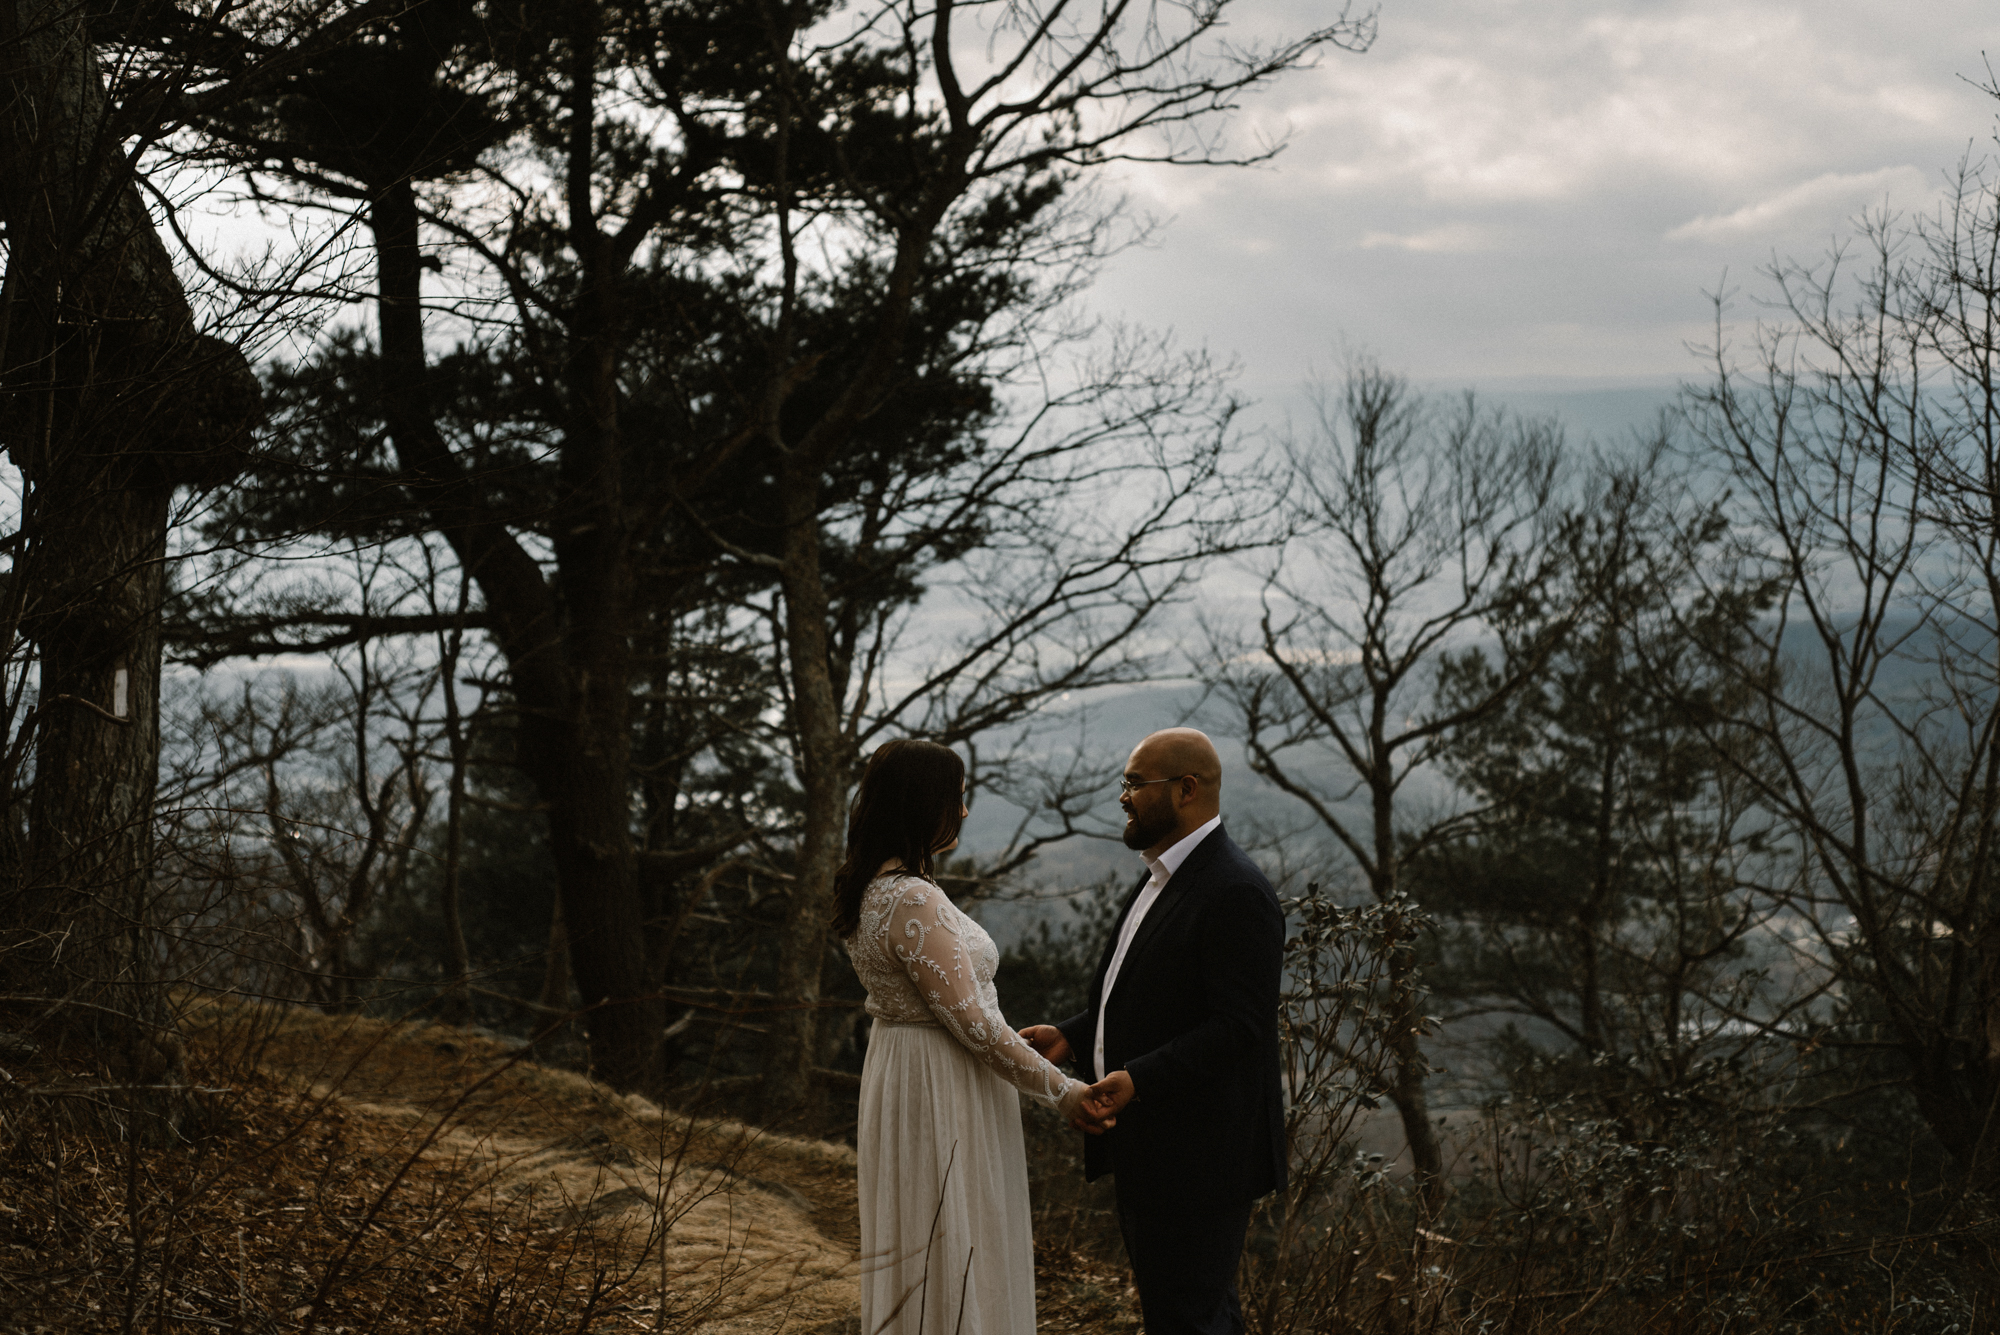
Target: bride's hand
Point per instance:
(1078, 1109)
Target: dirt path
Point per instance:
(731, 1229)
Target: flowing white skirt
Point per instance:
(947, 1245)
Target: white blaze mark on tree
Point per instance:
(120, 682)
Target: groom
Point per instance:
(1182, 1029)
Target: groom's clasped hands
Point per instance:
(1098, 1112)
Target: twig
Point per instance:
(93, 707)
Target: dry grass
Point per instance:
(358, 1175)
(364, 1176)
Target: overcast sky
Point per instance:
(1533, 198)
(1534, 195)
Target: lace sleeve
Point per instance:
(924, 937)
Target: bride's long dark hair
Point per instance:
(907, 808)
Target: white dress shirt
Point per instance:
(1169, 862)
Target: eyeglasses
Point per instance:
(1126, 785)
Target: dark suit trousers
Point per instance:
(1184, 1261)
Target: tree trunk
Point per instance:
(82, 903)
(598, 882)
(111, 400)
(823, 775)
(1406, 1013)
(1406, 1017)
(591, 820)
(571, 674)
(1406, 1088)
(555, 963)
(458, 989)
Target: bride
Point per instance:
(945, 1234)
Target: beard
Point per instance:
(1143, 831)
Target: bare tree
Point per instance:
(302, 805)
(1860, 432)
(1617, 887)
(345, 837)
(1420, 532)
(457, 738)
(228, 921)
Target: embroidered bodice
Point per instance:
(924, 962)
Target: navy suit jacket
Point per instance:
(1194, 1019)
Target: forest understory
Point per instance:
(347, 1174)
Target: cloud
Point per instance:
(1549, 187)
(1542, 109)
(1827, 199)
(1450, 239)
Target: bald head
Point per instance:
(1182, 751)
(1173, 787)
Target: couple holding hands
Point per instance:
(1179, 1042)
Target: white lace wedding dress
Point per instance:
(946, 1246)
